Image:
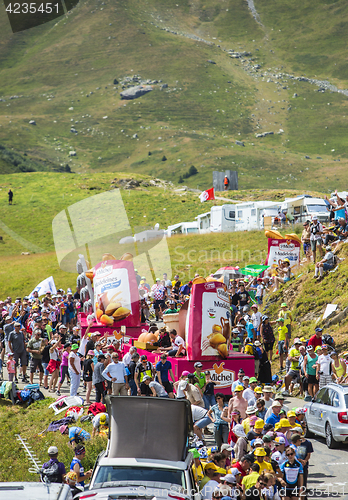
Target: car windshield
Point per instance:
(109, 473)
(317, 208)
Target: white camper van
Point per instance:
(183, 228)
(305, 207)
(250, 215)
(222, 218)
(203, 221)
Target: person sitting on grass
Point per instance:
(284, 274)
(325, 264)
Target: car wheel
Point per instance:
(330, 442)
(308, 433)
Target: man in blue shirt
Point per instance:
(274, 418)
(163, 368)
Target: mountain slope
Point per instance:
(205, 108)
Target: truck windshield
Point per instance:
(317, 208)
(109, 473)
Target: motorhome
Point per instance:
(222, 218)
(183, 228)
(305, 207)
(203, 222)
(250, 215)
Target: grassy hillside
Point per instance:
(206, 107)
(30, 423)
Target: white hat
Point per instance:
(52, 450)
(257, 343)
(226, 447)
(238, 430)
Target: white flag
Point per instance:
(46, 285)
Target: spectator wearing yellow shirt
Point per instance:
(291, 415)
(250, 419)
(197, 467)
(260, 454)
(251, 479)
(283, 341)
(286, 314)
(293, 373)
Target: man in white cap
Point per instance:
(267, 391)
(325, 264)
(256, 318)
(279, 454)
(53, 470)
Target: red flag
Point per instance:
(207, 195)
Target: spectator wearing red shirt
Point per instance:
(243, 465)
(316, 339)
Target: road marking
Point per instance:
(337, 463)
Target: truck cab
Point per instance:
(142, 459)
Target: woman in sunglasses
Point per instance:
(292, 481)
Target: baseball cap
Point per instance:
(211, 465)
(147, 377)
(280, 319)
(297, 341)
(226, 447)
(102, 419)
(198, 365)
(252, 379)
(279, 440)
(239, 388)
(71, 475)
(74, 346)
(52, 450)
(230, 478)
(291, 414)
(258, 390)
(257, 343)
(283, 304)
(258, 441)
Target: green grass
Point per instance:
(201, 115)
(29, 423)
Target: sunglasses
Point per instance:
(290, 454)
(262, 484)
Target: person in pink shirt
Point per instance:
(64, 366)
(11, 367)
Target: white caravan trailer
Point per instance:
(222, 218)
(203, 222)
(250, 215)
(305, 207)
(183, 228)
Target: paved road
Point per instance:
(328, 469)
